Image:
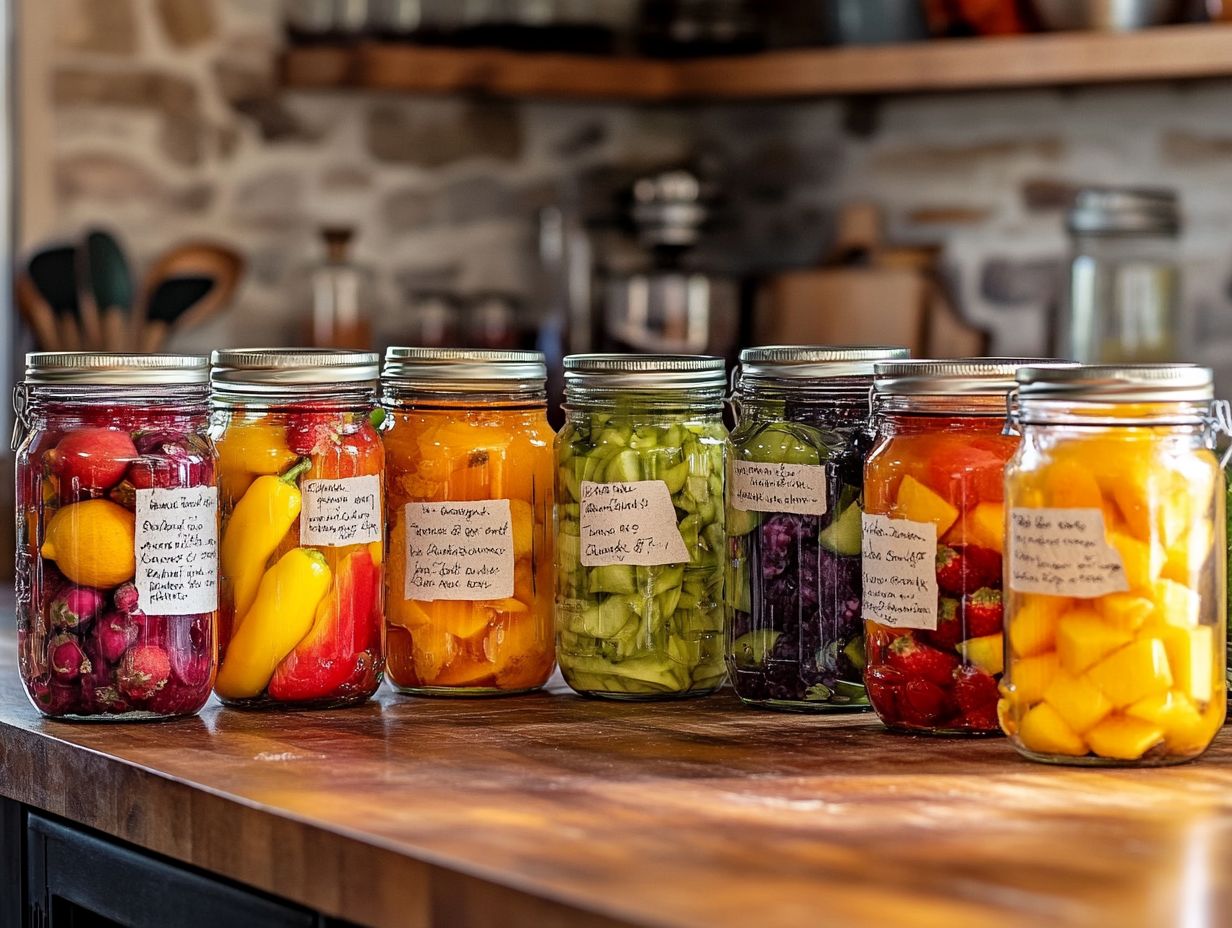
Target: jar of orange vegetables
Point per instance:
(301, 480)
(934, 532)
(1116, 567)
(469, 456)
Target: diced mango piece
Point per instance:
(1189, 733)
(522, 522)
(1191, 658)
(918, 503)
(1136, 671)
(1045, 732)
(1176, 604)
(1123, 737)
(1070, 485)
(1077, 700)
(1033, 629)
(1187, 555)
(1125, 611)
(983, 526)
(1142, 560)
(1133, 497)
(406, 612)
(1007, 716)
(1083, 638)
(432, 649)
(1031, 676)
(1164, 709)
(986, 652)
(461, 618)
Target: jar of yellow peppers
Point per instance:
(301, 484)
(469, 455)
(1116, 567)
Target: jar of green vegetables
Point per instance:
(641, 464)
(795, 636)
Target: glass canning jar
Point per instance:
(639, 524)
(117, 535)
(301, 479)
(1116, 567)
(795, 639)
(934, 533)
(469, 459)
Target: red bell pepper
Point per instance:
(326, 658)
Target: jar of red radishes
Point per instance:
(117, 535)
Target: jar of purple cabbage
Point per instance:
(795, 639)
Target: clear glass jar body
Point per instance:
(642, 631)
(1134, 676)
(470, 448)
(301, 484)
(91, 644)
(942, 462)
(795, 637)
(1123, 300)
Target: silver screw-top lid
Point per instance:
(644, 372)
(1119, 383)
(450, 370)
(105, 368)
(1124, 211)
(274, 369)
(814, 362)
(964, 377)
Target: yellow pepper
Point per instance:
(257, 524)
(281, 615)
(250, 449)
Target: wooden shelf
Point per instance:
(1173, 52)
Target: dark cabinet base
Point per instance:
(55, 875)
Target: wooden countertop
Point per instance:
(552, 811)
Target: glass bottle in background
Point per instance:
(341, 295)
(1122, 302)
(492, 321)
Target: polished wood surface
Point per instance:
(957, 64)
(551, 811)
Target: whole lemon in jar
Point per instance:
(92, 543)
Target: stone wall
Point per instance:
(168, 123)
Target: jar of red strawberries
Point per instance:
(934, 534)
(117, 535)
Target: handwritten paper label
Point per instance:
(177, 550)
(1063, 552)
(630, 523)
(899, 562)
(459, 551)
(341, 512)
(796, 488)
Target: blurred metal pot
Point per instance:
(1106, 15)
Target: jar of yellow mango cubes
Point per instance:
(1115, 575)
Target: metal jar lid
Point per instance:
(464, 370)
(813, 362)
(1120, 383)
(274, 369)
(104, 368)
(964, 377)
(1124, 211)
(615, 372)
